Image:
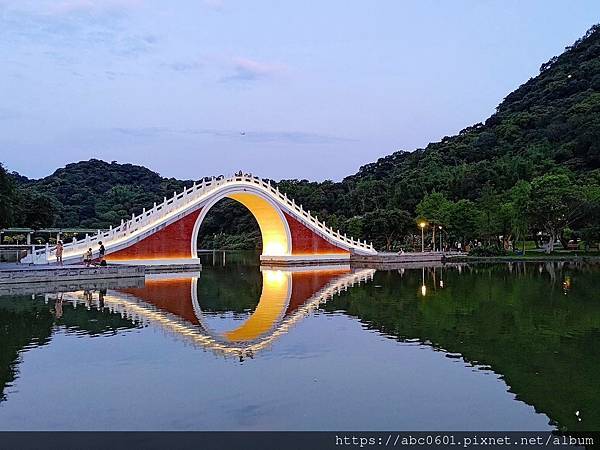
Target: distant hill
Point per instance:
(553, 120)
(550, 124)
(97, 194)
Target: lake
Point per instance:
(239, 347)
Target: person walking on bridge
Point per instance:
(102, 252)
(87, 257)
(59, 253)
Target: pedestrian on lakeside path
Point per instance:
(87, 257)
(102, 252)
(59, 253)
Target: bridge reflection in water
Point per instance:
(171, 302)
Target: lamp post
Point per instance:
(422, 225)
(441, 248)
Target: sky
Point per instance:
(283, 89)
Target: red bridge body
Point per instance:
(174, 242)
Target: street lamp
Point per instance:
(441, 248)
(422, 225)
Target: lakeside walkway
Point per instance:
(20, 273)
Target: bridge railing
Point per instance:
(178, 203)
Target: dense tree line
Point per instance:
(532, 167)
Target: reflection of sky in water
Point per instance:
(359, 362)
(224, 321)
(327, 373)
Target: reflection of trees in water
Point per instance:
(27, 323)
(542, 340)
(23, 322)
(230, 288)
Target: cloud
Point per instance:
(8, 114)
(293, 137)
(289, 137)
(215, 4)
(245, 69)
(93, 6)
(67, 7)
(183, 66)
(74, 23)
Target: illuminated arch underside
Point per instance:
(273, 228)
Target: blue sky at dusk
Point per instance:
(285, 89)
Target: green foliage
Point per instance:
(462, 221)
(434, 208)
(488, 250)
(34, 209)
(555, 202)
(7, 199)
(383, 226)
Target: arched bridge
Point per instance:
(169, 231)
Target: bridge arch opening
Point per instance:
(274, 228)
(229, 225)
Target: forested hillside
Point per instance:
(533, 166)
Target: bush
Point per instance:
(488, 250)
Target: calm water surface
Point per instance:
(236, 347)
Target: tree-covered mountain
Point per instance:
(487, 181)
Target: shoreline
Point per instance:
(536, 258)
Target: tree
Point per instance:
(7, 199)
(519, 212)
(493, 218)
(34, 210)
(555, 203)
(461, 220)
(434, 209)
(354, 226)
(387, 225)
